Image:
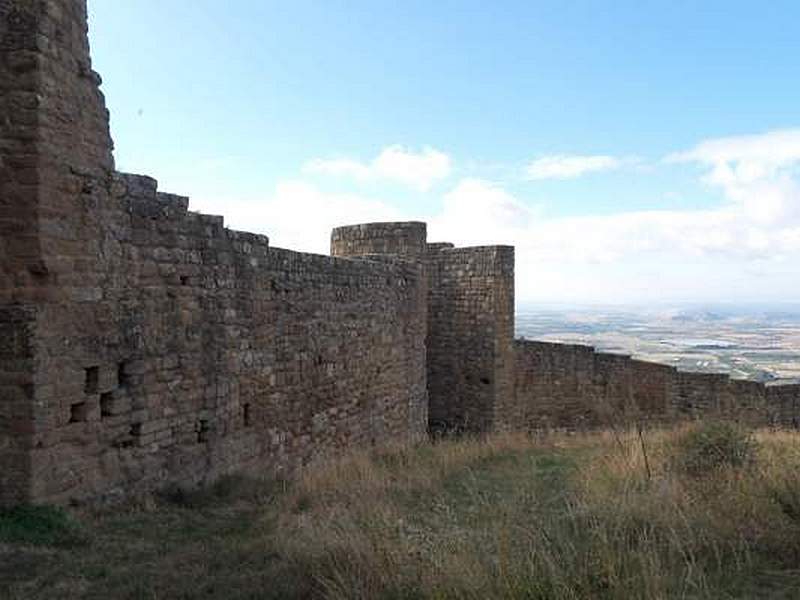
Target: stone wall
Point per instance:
(17, 384)
(211, 352)
(574, 387)
(554, 385)
(783, 402)
(653, 389)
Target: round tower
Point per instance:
(402, 239)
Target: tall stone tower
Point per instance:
(392, 241)
(56, 148)
(469, 349)
(55, 171)
(470, 341)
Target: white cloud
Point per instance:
(757, 154)
(479, 212)
(757, 172)
(747, 247)
(564, 166)
(298, 215)
(417, 170)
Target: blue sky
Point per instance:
(632, 151)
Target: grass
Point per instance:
(509, 516)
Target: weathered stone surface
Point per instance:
(470, 336)
(574, 387)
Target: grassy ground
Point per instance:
(596, 516)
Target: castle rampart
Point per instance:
(575, 387)
(143, 344)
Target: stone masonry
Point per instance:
(145, 345)
(574, 387)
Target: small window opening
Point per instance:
(78, 412)
(485, 380)
(202, 431)
(92, 380)
(184, 280)
(246, 415)
(106, 404)
(136, 429)
(122, 374)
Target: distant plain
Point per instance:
(759, 343)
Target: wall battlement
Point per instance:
(143, 344)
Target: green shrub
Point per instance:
(785, 492)
(40, 526)
(227, 489)
(714, 445)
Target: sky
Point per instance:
(632, 151)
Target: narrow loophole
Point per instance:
(122, 374)
(92, 380)
(106, 404)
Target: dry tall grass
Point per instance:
(602, 515)
(599, 515)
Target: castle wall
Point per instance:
(470, 336)
(614, 386)
(142, 344)
(748, 401)
(697, 394)
(554, 385)
(211, 352)
(574, 387)
(783, 402)
(653, 390)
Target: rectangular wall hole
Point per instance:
(246, 415)
(78, 412)
(106, 404)
(122, 374)
(136, 429)
(202, 431)
(92, 380)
